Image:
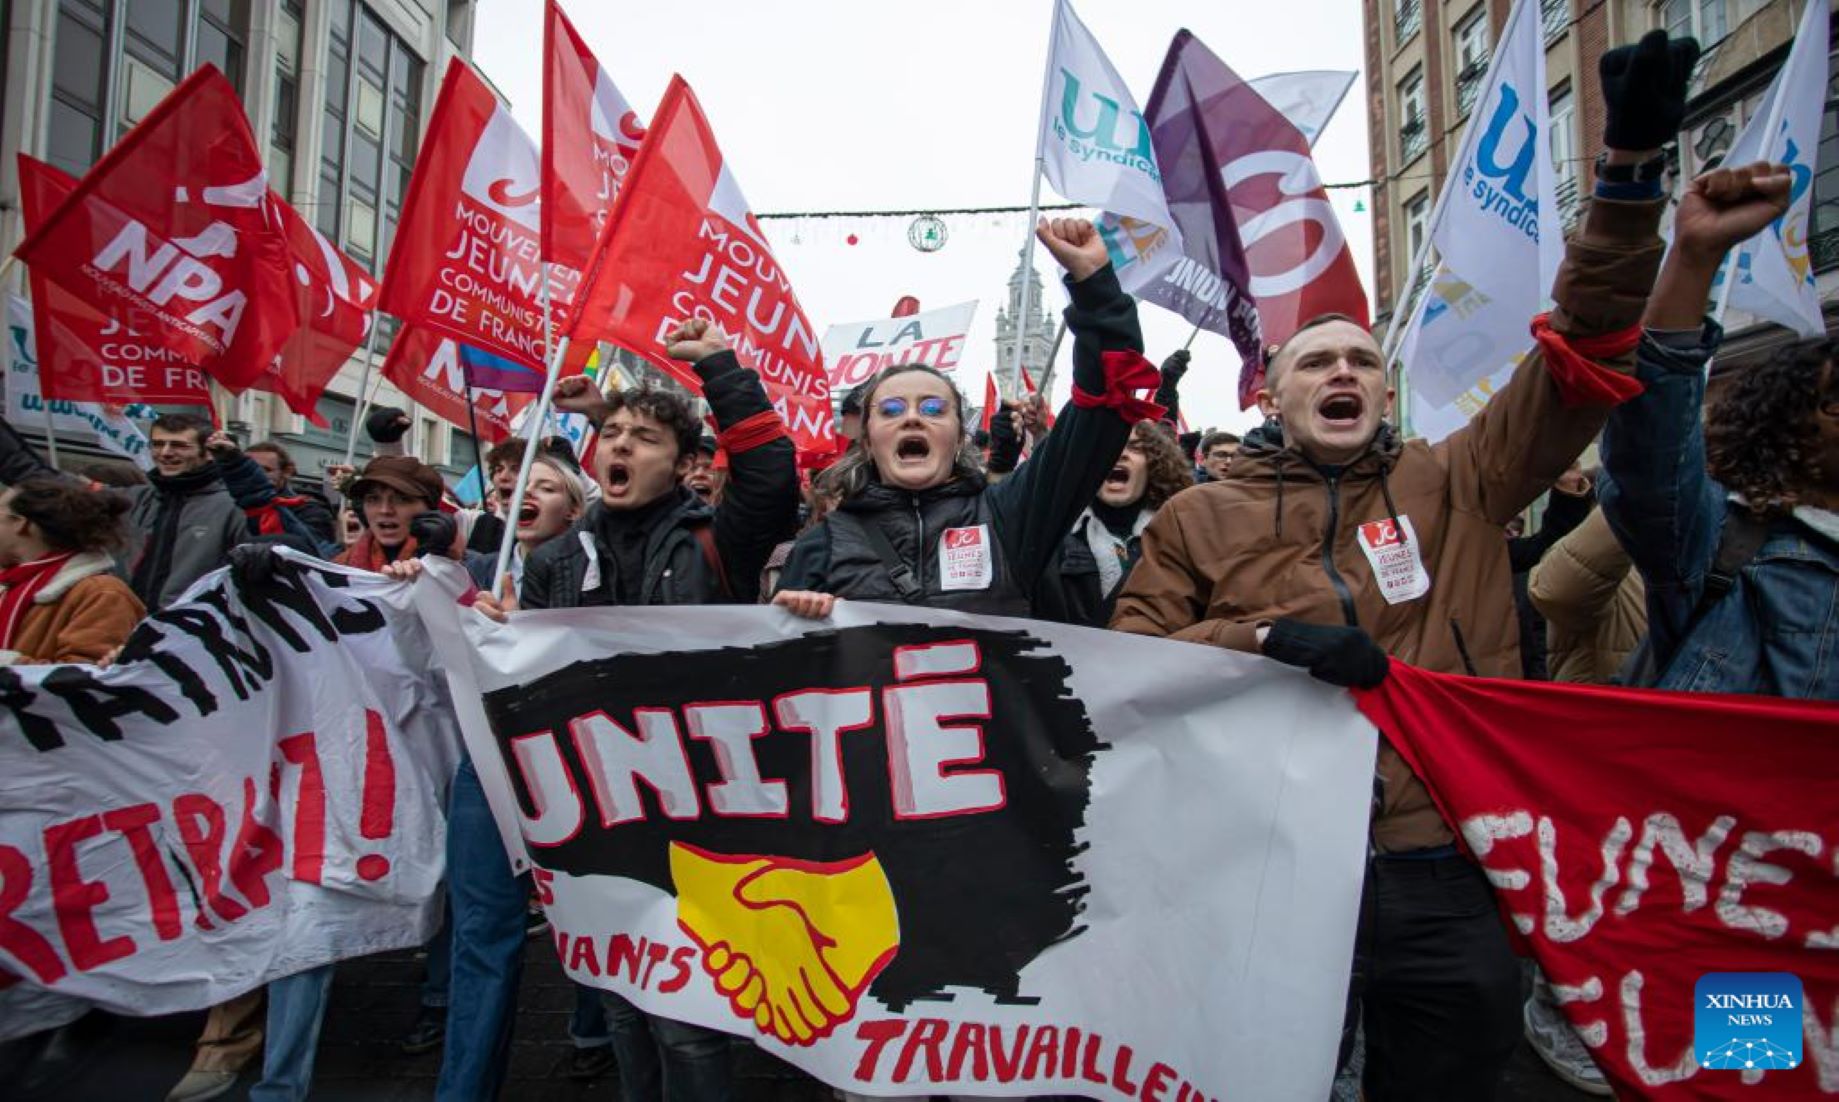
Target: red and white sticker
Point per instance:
(1392, 551)
(964, 558)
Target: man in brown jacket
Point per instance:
(1333, 543)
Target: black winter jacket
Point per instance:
(1029, 513)
(759, 509)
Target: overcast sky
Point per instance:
(875, 104)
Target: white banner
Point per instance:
(1308, 98)
(1097, 151)
(255, 788)
(1775, 278)
(85, 421)
(855, 350)
(918, 852)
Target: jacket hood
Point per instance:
(84, 564)
(1267, 443)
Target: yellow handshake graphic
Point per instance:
(791, 944)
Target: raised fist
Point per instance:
(1075, 244)
(222, 446)
(1644, 91)
(791, 945)
(695, 340)
(1726, 206)
(580, 394)
(386, 424)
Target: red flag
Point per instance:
(992, 401)
(1047, 411)
(905, 307)
(426, 366)
(1638, 840)
(590, 135)
(174, 224)
(681, 242)
(334, 296)
(85, 354)
(466, 260)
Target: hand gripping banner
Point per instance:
(253, 789)
(917, 852)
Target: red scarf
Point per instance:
(18, 585)
(368, 554)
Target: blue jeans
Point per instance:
(296, 1009)
(436, 985)
(488, 946)
(659, 1059)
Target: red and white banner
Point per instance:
(1637, 841)
(856, 350)
(334, 296)
(590, 136)
(174, 228)
(427, 367)
(682, 243)
(85, 354)
(467, 259)
(254, 788)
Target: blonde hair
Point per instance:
(573, 482)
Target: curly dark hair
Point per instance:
(1169, 472)
(1761, 435)
(69, 516)
(666, 409)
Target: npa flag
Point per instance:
(1650, 847)
(1774, 269)
(174, 227)
(1096, 150)
(682, 243)
(466, 260)
(1275, 237)
(430, 369)
(84, 353)
(590, 135)
(335, 297)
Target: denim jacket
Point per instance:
(1776, 632)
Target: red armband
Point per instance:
(747, 434)
(1571, 362)
(1126, 372)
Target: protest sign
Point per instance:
(856, 350)
(918, 852)
(1720, 860)
(253, 789)
(429, 368)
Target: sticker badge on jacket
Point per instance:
(1392, 551)
(964, 558)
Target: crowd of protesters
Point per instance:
(1699, 555)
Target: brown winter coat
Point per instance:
(1594, 605)
(1271, 539)
(83, 613)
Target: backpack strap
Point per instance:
(1742, 537)
(909, 587)
(705, 538)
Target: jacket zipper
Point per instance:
(919, 545)
(1328, 554)
(1462, 647)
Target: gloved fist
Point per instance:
(254, 564)
(386, 425)
(1176, 365)
(434, 533)
(1339, 655)
(1644, 90)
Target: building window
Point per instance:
(1472, 48)
(1407, 17)
(1555, 17)
(285, 131)
(371, 127)
(1823, 228)
(1564, 153)
(1705, 20)
(96, 95)
(1417, 225)
(1413, 130)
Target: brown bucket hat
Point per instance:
(404, 474)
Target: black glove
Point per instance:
(1342, 656)
(434, 533)
(386, 425)
(254, 564)
(1644, 90)
(1176, 365)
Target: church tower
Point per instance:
(1040, 328)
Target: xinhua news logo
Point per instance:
(1747, 1021)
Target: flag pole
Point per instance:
(472, 424)
(370, 359)
(44, 406)
(1189, 343)
(1047, 376)
(538, 414)
(1034, 210)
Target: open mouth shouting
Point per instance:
(1118, 478)
(913, 450)
(526, 515)
(617, 480)
(1342, 409)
